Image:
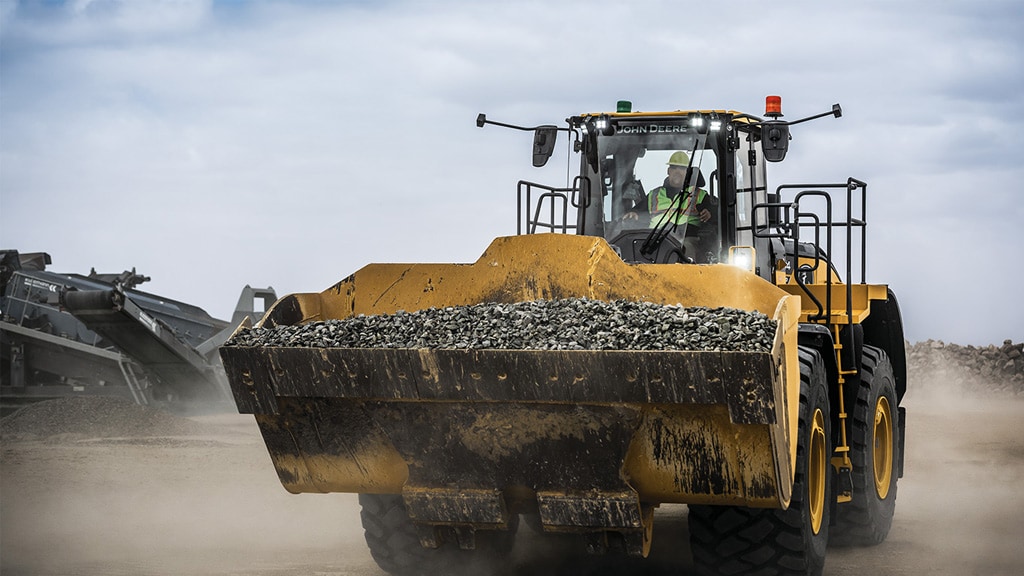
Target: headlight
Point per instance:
(742, 257)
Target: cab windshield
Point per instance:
(659, 181)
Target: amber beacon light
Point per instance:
(773, 106)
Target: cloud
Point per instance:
(214, 144)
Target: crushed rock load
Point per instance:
(95, 417)
(567, 324)
(984, 369)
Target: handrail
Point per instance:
(793, 219)
(558, 200)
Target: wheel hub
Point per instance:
(817, 470)
(883, 450)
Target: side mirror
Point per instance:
(774, 140)
(775, 132)
(543, 144)
(544, 137)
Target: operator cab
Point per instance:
(684, 187)
(669, 187)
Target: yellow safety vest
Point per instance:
(659, 201)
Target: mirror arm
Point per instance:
(481, 120)
(836, 111)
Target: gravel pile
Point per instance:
(569, 324)
(94, 417)
(971, 369)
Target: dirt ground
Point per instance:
(208, 502)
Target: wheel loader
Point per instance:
(778, 454)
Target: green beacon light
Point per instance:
(623, 106)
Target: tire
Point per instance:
(874, 451)
(733, 540)
(395, 546)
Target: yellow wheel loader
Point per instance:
(777, 452)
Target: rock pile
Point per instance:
(567, 324)
(988, 369)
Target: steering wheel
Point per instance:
(629, 243)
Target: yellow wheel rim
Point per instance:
(817, 471)
(883, 451)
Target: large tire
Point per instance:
(874, 451)
(395, 545)
(732, 540)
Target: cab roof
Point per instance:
(734, 115)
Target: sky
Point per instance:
(214, 144)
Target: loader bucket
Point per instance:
(589, 439)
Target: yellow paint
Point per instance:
(375, 468)
(861, 297)
(883, 450)
(679, 113)
(548, 266)
(724, 461)
(539, 266)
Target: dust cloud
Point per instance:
(203, 499)
(959, 504)
(207, 503)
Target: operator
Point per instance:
(692, 210)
